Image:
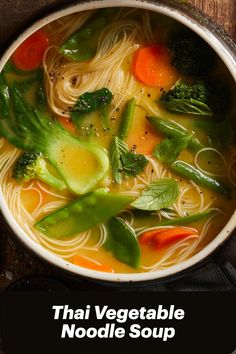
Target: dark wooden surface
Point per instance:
(15, 260)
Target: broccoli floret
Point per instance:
(32, 165)
(197, 91)
(192, 56)
(188, 99)
(198, 98)
(31, 129)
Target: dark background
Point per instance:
(16, 261)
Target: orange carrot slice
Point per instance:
(86, 263)
(29, 55)
(152, 66)
(163, 237)
(67, 124)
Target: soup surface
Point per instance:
(117, 149)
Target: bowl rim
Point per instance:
(223, 51)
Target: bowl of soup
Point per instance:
(117, 148)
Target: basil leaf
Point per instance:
(122, 242)
(169, 149)
(158, 195)
(133, 164)
(91, 102)
(218, 132)
(117, 148)
(188, 106)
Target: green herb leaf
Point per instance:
(122, 242)
(133, 164)
(117, 148)
(158, 195)
(91, 102)
(188, 106)
(169, 149)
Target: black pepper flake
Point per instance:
(149, 95)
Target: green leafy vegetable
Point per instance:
(189, 106)
(4, 97)
(122, 242)
(97, 101)
(133, 164)
(124, 161)
(89, 211)
(169, 149)
(117, 148)
(188, 219)
(158, 195)
(171, 129)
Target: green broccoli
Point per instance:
(187, 99)
(32, 165)
(192, 56)
(80, 164)
(200, 98)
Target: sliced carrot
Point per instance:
(29, 55)
(86, 263)
(142, 137)
(67, 124)
(162, 237)
(152, 66)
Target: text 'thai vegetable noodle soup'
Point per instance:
(117, 147)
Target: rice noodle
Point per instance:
(217, 152)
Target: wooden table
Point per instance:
(15, 260)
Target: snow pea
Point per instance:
(122, 242)
(82, 45)
(126, 119)
(83, 214)
(172, 130)
(184, 169)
